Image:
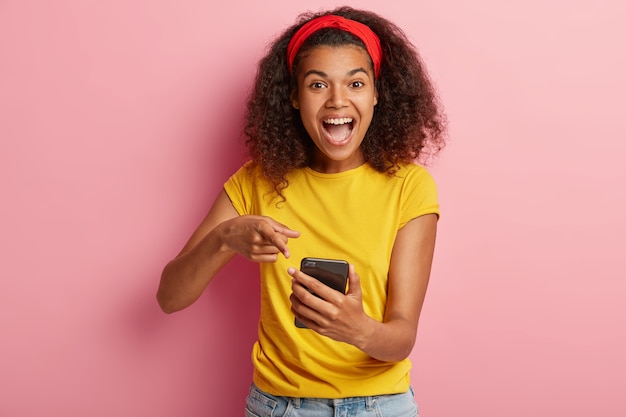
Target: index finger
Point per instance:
(281, 228)
(274, 237)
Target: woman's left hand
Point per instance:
(336, 315)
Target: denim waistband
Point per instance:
(335, 402)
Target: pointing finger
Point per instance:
(274, 237)
(281, 228)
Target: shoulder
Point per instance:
(419, 190)
(413, 174)
(249, 173)
(406, 169)
(248, 169)
(243, 180)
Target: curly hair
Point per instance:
(408, 123)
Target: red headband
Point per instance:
(358, 29)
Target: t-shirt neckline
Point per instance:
(346, 173)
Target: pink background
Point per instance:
(120, 120)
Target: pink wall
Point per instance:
(119, 121)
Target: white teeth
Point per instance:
(339, 121)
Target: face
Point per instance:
(336, 98)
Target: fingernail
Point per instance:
(291, 270)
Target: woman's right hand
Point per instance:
(258, 238)
(221, 235)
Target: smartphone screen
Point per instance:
(331, 272)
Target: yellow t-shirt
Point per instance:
(355, 216)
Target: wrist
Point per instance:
(366, 334)
(224, 238)
(219, 239)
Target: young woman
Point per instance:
(342, 108)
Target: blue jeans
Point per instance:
(262, 404)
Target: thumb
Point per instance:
(354, 283)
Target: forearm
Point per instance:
(185, 278)
(222, 234)
(389, 341)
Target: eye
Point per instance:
(317, 85)
(357, 84)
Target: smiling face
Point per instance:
(336, 98)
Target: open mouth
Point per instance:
(338, 129)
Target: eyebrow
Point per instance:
(324, 75)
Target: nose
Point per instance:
(337, 98)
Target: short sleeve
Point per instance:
(239, 189)
(419, 194)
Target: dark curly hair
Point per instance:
(407, 124)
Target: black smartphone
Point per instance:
(331, 272)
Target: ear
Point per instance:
(375, 96)
(294, 100)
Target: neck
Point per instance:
(321, 163)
